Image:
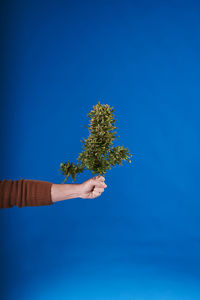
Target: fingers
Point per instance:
(98, 190)
(96, 193)
(99, 181)
(100, 185)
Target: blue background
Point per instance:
(141, 239)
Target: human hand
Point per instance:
(92, 187)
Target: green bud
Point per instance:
(98, 154)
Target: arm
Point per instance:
(91, 188)
(37, 193)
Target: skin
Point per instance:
(89, 189)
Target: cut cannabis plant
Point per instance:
(98, 153)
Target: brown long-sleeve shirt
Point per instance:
(25, 193)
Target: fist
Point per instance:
(92, 187)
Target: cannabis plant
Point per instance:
(98, 154)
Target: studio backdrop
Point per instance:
(141, 238)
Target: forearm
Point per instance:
(61, 192)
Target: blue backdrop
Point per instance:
(141, 239)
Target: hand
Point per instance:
(92, 188)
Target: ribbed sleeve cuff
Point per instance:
(25, 193)
(34, 193)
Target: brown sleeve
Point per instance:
(25, 193)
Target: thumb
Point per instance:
(100, 178)
(98, 182)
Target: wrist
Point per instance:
(72, 190)
(61, 192)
